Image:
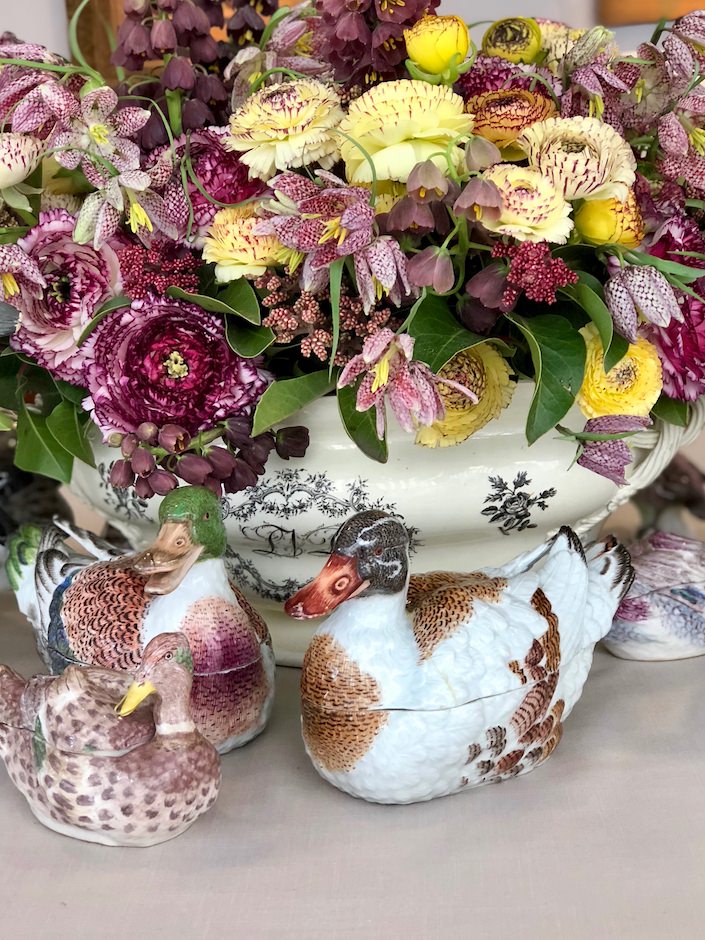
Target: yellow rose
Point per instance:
(434, 43)
(516, 38)
(603, 221)
(632, 387)
(483, 371)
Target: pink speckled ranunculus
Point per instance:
(167, 362)
(78, 279)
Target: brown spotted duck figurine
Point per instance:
(104, 612)
(420, 687)
(95, 763)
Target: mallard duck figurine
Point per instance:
(88, 770)
(104, 612)
(663, 616)
(418, 688)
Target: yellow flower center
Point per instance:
(175, 365)
(387, 6)
(333, 229)
(138, 218)
(99, 134)
(381, 370)
(9, 285)
(697, 139)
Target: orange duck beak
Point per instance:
(338, 581)
(168, 559)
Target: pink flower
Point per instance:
(681, 348)
(77, 280)
(167, 362)
(610, 458)
(390, 373)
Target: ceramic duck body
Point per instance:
(104, 612)
(86, 772)
(452, 680)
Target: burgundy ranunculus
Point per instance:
(681, 349)
(79, 280)
(167, 362)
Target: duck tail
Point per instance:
(12, 686)
(22, 548)
(610, 576)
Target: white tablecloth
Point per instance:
(606, 840)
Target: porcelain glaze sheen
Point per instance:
(478, 503)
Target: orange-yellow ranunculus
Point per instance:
(436, 42)
(501, 116)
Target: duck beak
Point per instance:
(338, 582)
(134, 697)
(168, 559)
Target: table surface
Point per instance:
(605, 840)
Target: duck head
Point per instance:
(191, 530)
(166, 671)
(370, 556)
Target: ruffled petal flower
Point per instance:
(533, 209)
(236, 247)
(632, 387)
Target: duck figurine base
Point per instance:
(96, 764)
(416, 688)
(104, 610)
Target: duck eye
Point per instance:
(206, 516)
(169, 656)
(379, 551)
(179, 543)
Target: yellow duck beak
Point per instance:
(134, 697)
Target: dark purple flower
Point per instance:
(78, 279)
(178, 74)
(432, 268)
(488, 286)
(143, 488)
(193, 469)
(174, 439)
(121, 474)
(163, 36)
(242, 477)
(222, 462)
(292, 442)
(479, 194)
(203, 49)
(408, 215)
(162, 482)
(168, 362)
(481, 153)
(195, 114)
(681, 349)
(610, 458)
(190, 21)
(143, 462)
(210, 90)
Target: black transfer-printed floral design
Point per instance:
(511, 505)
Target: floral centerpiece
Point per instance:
(345, 198)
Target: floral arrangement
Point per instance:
(347, 198)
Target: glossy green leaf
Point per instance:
(7, 421)
(558, 354)
(115, 304)
(336, 276)
(672, 411)
(73, 393)
(617, 351)
(285, 397)
(438, 334)
(673, 268)
(70, 431)
(587, 293)
(247, 340)
(360, 426)
(9, 367)
(38, 451)
(238, 299)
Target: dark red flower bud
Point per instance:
(147, 432)
(121, 475)
(222, 462)
(178, 74)
(163, 36)
(214, 485)
(168, 5)
(193, 469)
(292, 442)
(129, 443)
(137, 42)
(143, 462)
(162, 482)
(246, 21)
(153, 134)
(203, 49)
(190, 21)
(143, 488)
(210, 90)
(195, 114)
(135, 7)
(239, 430)
(241, 477)
(174, 438)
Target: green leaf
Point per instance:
(558, 354)
(336, 277)
(246, 340)
(617, 351)
(9, 367)
(438, 334)
(38, 451)
(404, 328)
(239, 293)
(588, 294)
(361, 426)
(287, 396)
(680, 271)
(70, 431)
(73, 393)
(672, 411)
(115, 304)
(7, 421)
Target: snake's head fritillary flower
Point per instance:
(533, 209)
(19, 275)
(436, 43)
(400, 124)
(287, 125)
(516, 38)
(639, 292)
(236, 248)
(632, 387)
(584, 158)
(502, 116)
(611, 221)
(482, 370)
(610, 458)
(19, 156)
(557, 39)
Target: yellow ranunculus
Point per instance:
(502, 115)
(603, 221)
(435, 42)
(532, 208)
(483, 371)
(632, 387)
(516, 38)
(237, 251)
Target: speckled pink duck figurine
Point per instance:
(94, 765)
(418, 688)
(105, 612)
